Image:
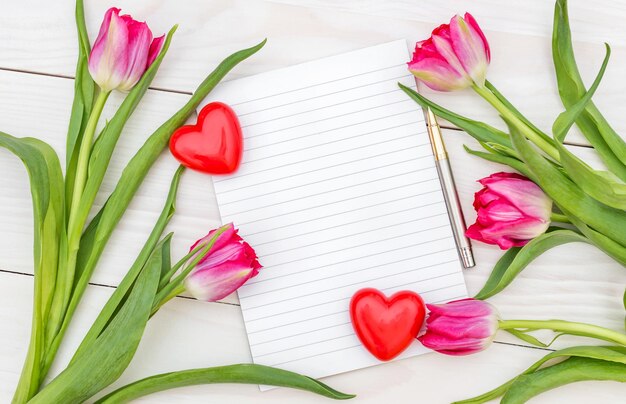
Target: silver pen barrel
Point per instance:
(455, 213)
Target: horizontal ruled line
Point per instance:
(355, 246)
(322, 144)
(361, 232)
(313, 356)
(302, 333)
(361, 270)
(343, 224)
(341, 311)
(308, 344)
(331, 178)
(346, 309)
(307, 357)
(358, 283)
(345, 261)
(316, 85)
(332, 93)
(217, 180)
(333, 154)
(335, 202)
(319, 108)
(407, 101)
(337, 189)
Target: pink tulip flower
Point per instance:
(460, 327)
(455, 57)
(226, 267)
(123, 51)
(511, 211)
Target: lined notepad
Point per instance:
(337, 191)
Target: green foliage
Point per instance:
(121, 292)
(516, 259)
(111, 352)
(478, 130)
(46, 185)
(610, 354)
(571, 370)
(609, 145)
(244, 373)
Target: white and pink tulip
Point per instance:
(124, 50)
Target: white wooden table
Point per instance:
(37, 59)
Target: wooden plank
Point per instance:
(521, 66)
(530, 17)
(213, 335)
(197, 210)
(39, 106)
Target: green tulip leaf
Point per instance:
(100, 229)
(566, 119)
(516, 259)
(112, 350)
(605, 353)
(166, 248)
(495, 157)
(567, 195)
(612, 248)
(603, 186)
(478, 130)
(107, 140)
(516, 112)
(120, 294)
(609, 145)
(243, 373)
(84, 95)
(571, 370)
(46, 187)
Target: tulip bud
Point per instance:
(511, 211)
(226, 266)
(460, 327)
(454, 57)
(122, 52)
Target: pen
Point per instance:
(449, 190)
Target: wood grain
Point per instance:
(519, 36)
(212, 335)
(574, 282)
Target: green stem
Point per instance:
(175, 292)
(175, 284)
(83, 158)
(567, 327)
(67, 261)
(168, 276)
(30, 379)
(558, 217)
(514, 119)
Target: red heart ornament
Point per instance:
(213, 145)
(386, 326)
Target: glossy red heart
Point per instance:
(386, 326)
(213, 145)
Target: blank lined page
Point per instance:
(337, 191)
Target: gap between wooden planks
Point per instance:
(443, 125)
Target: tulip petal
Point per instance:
(155, 49)
(108, 61)
(438, 75)
(471, 21)
(139, 39)
(469, 47)
(524, 194)
(498, 211)
(464, 308)
(217, 282)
